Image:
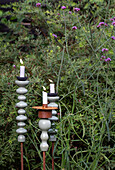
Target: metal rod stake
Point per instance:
(52, 156)
(44, 160)
(21, 156)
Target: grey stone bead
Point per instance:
(21, 104)
(52, 104)
(22, 97)
(53, 118)
(21, 124)
(44, 124)
(22, 83)
(44, 146)
(21, 111)
(53, 98)
(52, 138)
(54, 112)
(21, 138)
(21, 118)
(21, 90)
(52, 131)
(21, 130)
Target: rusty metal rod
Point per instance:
(21, 156)
(44, 160)
(52, 156)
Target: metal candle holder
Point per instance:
(21, 82)
(44, 113)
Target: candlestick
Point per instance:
(21, 82)
(44, 124)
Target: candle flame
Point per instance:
(50, 80)
(21, 61)
(44, 88)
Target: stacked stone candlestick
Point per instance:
(52, 97)
(21, 82)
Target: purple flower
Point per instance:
(63, 7)
(69, 12)
(14, 66)
(76, 9)
(100, 59)
(8, 83)
(54, 35)
(74, 27)
(98, 26)
(108, 59)
(106, 24)
(104, 49)
(111, 19)
(113, 38)
(102, 23)
(103, 57)
(113, 23)
(58, 14)
(38, 4)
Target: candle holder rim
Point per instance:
(44, 108)
(22, 78)
(52, 94)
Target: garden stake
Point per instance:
(52, 156)
(21, 156)
(52, 97)
(44, 112)
(21, 82)
(44, 160)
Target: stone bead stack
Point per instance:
(44, 125)
(44, 112)
(52, 97)
(21, 82)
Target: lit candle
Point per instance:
(52, 87)
(22, 69)
(44, 96)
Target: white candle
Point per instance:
(52, 88)
(22, 71)
(44, 97)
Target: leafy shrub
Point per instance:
(43, 37)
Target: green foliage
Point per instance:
(84, 83)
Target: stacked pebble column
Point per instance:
(21, 105)
(52, 131)
(44, 125)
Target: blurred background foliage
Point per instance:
(84, 81)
